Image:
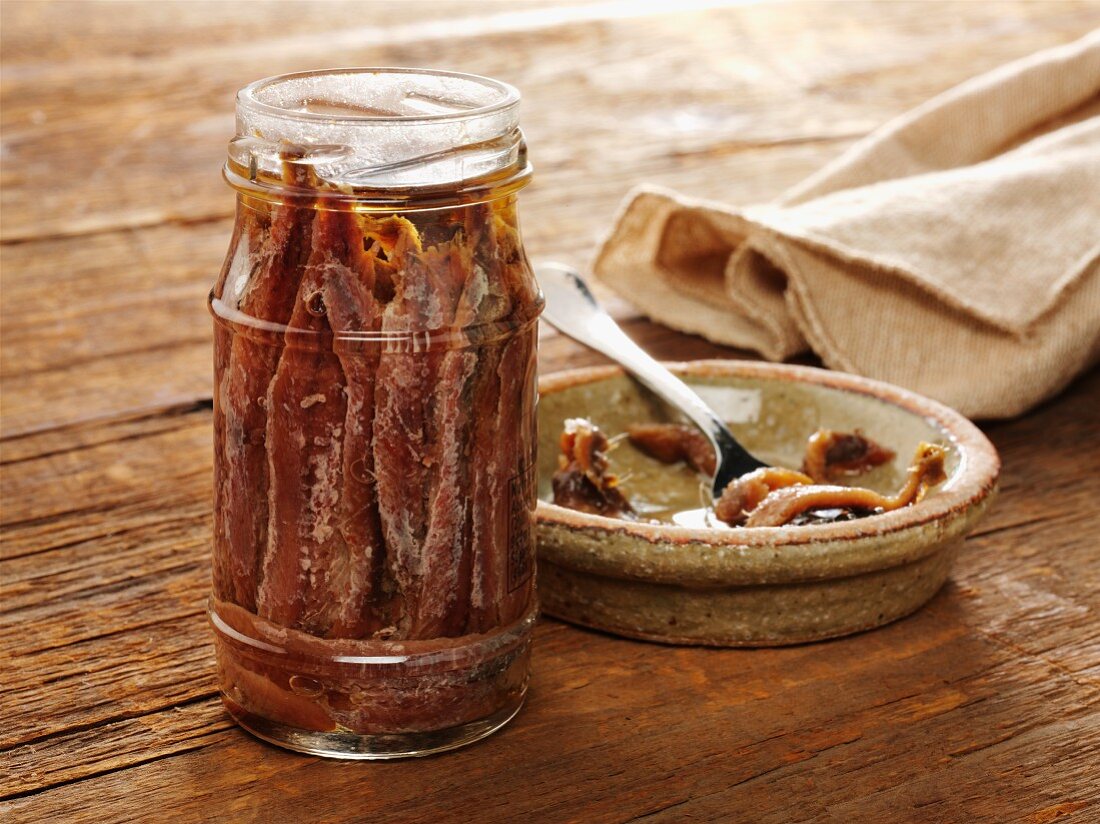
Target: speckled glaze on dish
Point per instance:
(767, 585)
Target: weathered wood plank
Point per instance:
(102, 540)
(104, 477)
(75, 326)
(86, 434)
(738, 137)
(127, 674)
(922, 683)
(132, 378)
(121, 645)
(986, 704)
(121, 744)
(42, 34)
(116, 120)
(73, 300)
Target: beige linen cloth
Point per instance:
(955, 251)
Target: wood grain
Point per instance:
(983, 706)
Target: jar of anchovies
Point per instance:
(374, 414)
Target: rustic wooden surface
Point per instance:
(983, 706)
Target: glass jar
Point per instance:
(374, 414)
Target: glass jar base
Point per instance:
(376, 747)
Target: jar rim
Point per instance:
(507, 96)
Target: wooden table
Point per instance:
(983, 706)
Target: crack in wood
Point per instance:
(117, 353)
(994, 530)
(737, 146)
(114, 719)
(202, 516)
(205, 403)
(100, 636)
(662, 809)
(20, 238)
(215, 735)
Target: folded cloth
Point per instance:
(955, 251)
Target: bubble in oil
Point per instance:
(304, 685)
(360, 472)
(315, 304)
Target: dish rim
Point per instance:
(973, 482)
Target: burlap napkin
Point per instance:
(955, 251)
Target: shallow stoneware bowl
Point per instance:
(766, 585)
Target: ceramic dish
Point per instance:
(767, 585)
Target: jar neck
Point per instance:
(379, 138)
